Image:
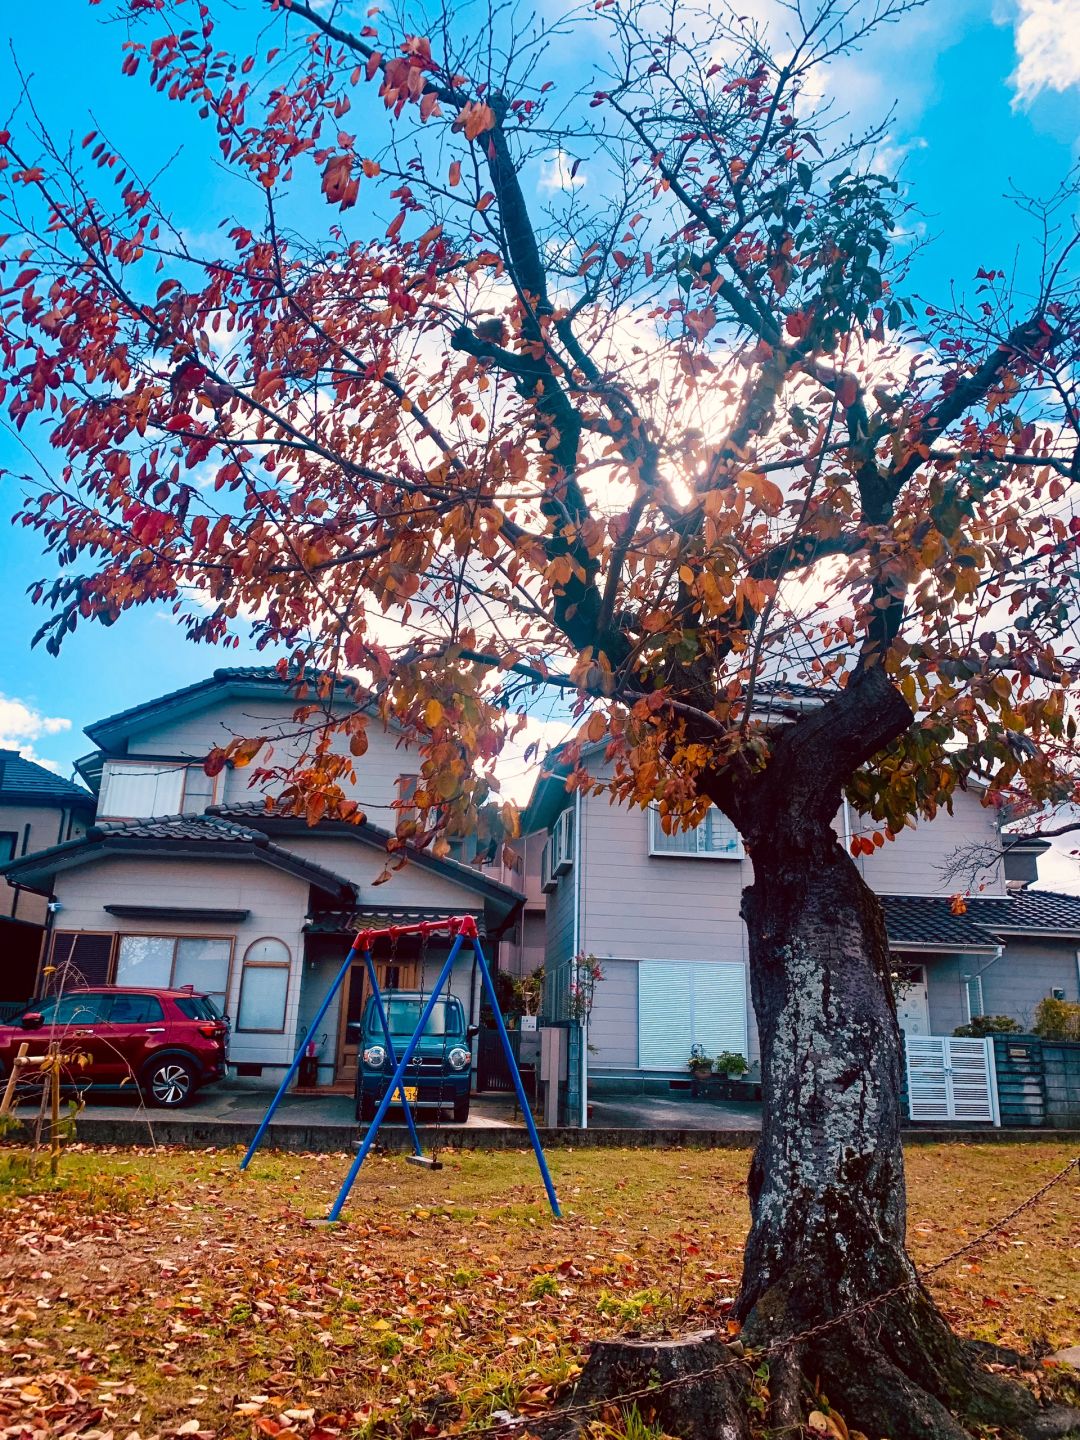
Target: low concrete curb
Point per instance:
(194, 1134)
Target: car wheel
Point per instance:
(169, 1082)
(461, 1109)
(365, 1109)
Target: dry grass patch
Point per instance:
(167, 1293)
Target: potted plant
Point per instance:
(730, 1064)
(699, 1064)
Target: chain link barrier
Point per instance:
(519, 1424)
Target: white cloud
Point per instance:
(559, 173)
(21, 725)
(1047, 37)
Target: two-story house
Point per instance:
(37, 809)
(184, 878)
(661, 914)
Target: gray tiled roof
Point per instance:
(928, 920)
(1030, 910)
(177, 827)
(23, 780)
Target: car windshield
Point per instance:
(404, 1016)
(198, 1007)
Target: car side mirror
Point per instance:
(472, 1032)
(32, 1020)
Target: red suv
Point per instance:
(168, 1042)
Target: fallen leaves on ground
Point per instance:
(166, 1294)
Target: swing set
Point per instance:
(459, 928)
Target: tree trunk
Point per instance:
(827, 1192)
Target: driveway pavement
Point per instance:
(658, 1112)
(245, 1108)
(239, 1110)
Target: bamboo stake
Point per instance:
(54, 1138)
(9, 1088)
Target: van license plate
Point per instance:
(410, 1093)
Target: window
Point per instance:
(403, 1016)
(973, 996)
(9, 840)
(142, 790)
(139, 790)
(136, 1010)
(76, 1009)
(81, 957)
(199, 788)
(715, 837)
(165, 962)
(198, 1007)
(684, 1003)
(264, 987)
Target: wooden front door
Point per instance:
(401, 975)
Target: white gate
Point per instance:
(950, 1077)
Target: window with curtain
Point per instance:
(715, 837)
(163, 962)
(264, 987)
(142, 791)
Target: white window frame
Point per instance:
(703, 852)
(562, 851)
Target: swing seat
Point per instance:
(427, 1161)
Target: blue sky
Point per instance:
(986, 96)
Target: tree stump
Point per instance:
(705, 1404)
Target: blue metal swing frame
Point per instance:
(461, 928)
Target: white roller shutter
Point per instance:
(719, 1007)
(683, 1003)
(664, 1018)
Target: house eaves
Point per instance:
(174, 836)
(246, 682)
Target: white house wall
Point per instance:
(196, 733)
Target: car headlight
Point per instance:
(374, 1056)
(459, 1058)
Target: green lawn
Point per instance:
(167, 1293)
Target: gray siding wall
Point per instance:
(1026, 974)
(613, 1024)
(1012, 985)
(945, 988)
(636, 906)
(912, 864)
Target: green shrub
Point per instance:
(1057, 1019)
(983, 1025)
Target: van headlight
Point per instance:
(459, 1058)
(374, 1057)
